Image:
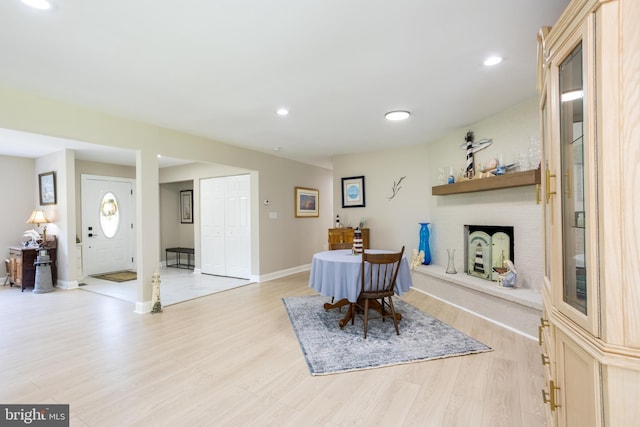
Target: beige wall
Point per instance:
(287, 243)
(17, 180)
(394, 223)
(283, 243)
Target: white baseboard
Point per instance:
(281, 273)
(143, 307)
(64, 284)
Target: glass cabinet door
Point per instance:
(572, 164)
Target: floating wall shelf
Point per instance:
(515, 179)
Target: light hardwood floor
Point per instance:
(232, 359)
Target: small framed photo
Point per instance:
(353, 192)
(186, 206)
(47, 183)
(307, 202)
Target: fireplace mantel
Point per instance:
(515, 179)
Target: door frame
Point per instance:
(132, 242)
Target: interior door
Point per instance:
(225, 226)
(107, 224)
(212, 226)
(237, 226)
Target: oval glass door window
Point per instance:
(109, 215)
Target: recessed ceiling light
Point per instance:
(282, 112)
(492, 60)
(277, 148)
(38, 4)
(397, 115)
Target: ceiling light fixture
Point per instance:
(397, 115)
(277, 148)
(282, 112)
(492, 60)
(38, 4)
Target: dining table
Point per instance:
(338, 274)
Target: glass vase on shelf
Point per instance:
(451, 268)
(425, 232)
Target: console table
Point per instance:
(22, 267)
(179, 251)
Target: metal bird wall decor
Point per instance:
(396, 187)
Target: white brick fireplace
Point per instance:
(518, 308)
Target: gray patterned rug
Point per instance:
(330, 350)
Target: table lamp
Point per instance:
(38, 217)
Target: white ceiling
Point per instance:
(220, 68)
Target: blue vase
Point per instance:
(425, 231)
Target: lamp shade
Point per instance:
(38, 217)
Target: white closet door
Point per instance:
(237, 227)
(225, 226)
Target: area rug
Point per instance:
(119, 276)
(330, 350)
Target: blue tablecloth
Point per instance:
(337, 274)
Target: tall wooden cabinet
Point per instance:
(589, 85)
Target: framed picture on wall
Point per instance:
(353, 192)
(186, 206)
(47, 184)
(307, 202)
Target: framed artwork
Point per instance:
(47, 184)
(186, 206)
(307, 202)
(353, 192)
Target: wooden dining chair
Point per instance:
(379, 273)
(340, 245)
(336, 246)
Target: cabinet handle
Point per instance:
(545, 397)
(545, 359)
(543, 324)
(550, 397)
(548, 177)
(539, 335)
(538, 200)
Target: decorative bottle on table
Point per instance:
(357, 241)
(425, 231)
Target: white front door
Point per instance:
(107, 224)
(225, 226)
